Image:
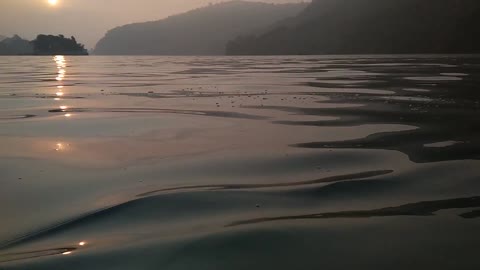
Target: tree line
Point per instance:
(42, 45)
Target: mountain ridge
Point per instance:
(203, 31)
(371, 27)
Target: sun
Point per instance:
(52, 2)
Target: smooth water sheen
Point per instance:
(348, 162)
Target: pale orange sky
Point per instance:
(87, 20)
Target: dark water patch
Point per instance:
(471, 214)
(411, 143)
(331, 179)
(427, 208)
(439, 115)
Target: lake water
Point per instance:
(340, 162)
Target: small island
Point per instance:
(42, 45)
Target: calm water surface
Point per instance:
(240, 163)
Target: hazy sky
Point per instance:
(87, 20)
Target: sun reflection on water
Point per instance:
(61, 64)
(60, 60)
(59, 147)
(63, 147)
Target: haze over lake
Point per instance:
(285, 162)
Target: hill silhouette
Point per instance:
(15, 46)
(371, 27)
(203, 31)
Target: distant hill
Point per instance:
(2, 37)
(371, 27)
(15, 46)
(42, 45)
(203, 31)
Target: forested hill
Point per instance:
(15, 46)
(51, 45)
(203, 31)
(371, 27)
(42, 45)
